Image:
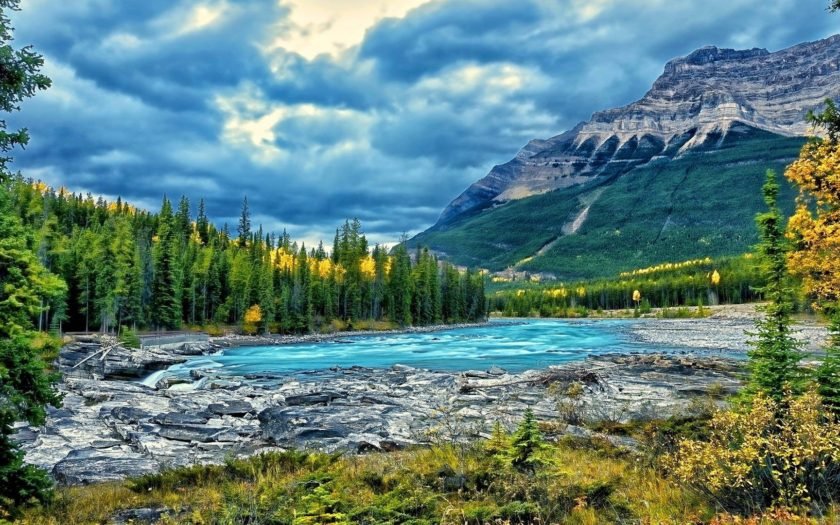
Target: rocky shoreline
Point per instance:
(723, 332)
(113, 426)
(230, 341)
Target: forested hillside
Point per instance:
(698, 282)
(126, 267)
(701, 204)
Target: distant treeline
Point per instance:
(128, 267)
(688, 283)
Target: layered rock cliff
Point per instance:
(696, 100)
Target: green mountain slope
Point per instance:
(699, 204)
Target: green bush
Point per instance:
(129, 338)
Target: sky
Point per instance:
(322, 110)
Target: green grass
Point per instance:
(579, 481)
(445, 484)
(708, 198)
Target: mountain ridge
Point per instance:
(700, 95)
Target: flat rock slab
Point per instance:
(141, 516)
(231, 408)
(85, 466)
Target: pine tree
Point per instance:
(132, 305)
(25, 385)
(244, 228)
(265, 289)
(827, 374)
(202, 224)
(166, 306)
(105, 289)
(498, 446)
(183, 226)
(401, 286)
(775, 356)
(527, 444)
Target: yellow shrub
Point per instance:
(784, 456)
(253, 316)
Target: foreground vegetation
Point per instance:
(447, 484)
(514, 478)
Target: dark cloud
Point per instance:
(389, 131)
(440, 34)
(136, 48)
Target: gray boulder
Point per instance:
(234, 407)
(93, 465)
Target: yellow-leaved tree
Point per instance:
(253, 316)
(814, 231)
(815, 226)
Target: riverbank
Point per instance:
(112, 426)
(111, 429)
(103, 357)
(724, 330)
(237, 340)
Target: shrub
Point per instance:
(214, 330)
(129, 338)
(321, 507)
(498, 445)
(780, 454)
(570, 402)
(252, 320)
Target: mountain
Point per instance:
(710, 126)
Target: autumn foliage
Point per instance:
(815, 226)
(253, 317)
(767, 456)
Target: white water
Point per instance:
(152, 380)
(534, 343)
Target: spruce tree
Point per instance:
(401, 286)
(527, 443)
(827, 374)
(26, 386)
(244, 228)
(202, 224)
(775, 355)
(183, 226)
(166, 306)
(498, 446)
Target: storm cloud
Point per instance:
(320, 110)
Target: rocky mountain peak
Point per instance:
(710, 54)
(698, 98)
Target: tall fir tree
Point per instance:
(202, 224)
(26, 385)
(244, 228)
(401, 286)
(827, 373)
(166, 305)
(775, 354)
